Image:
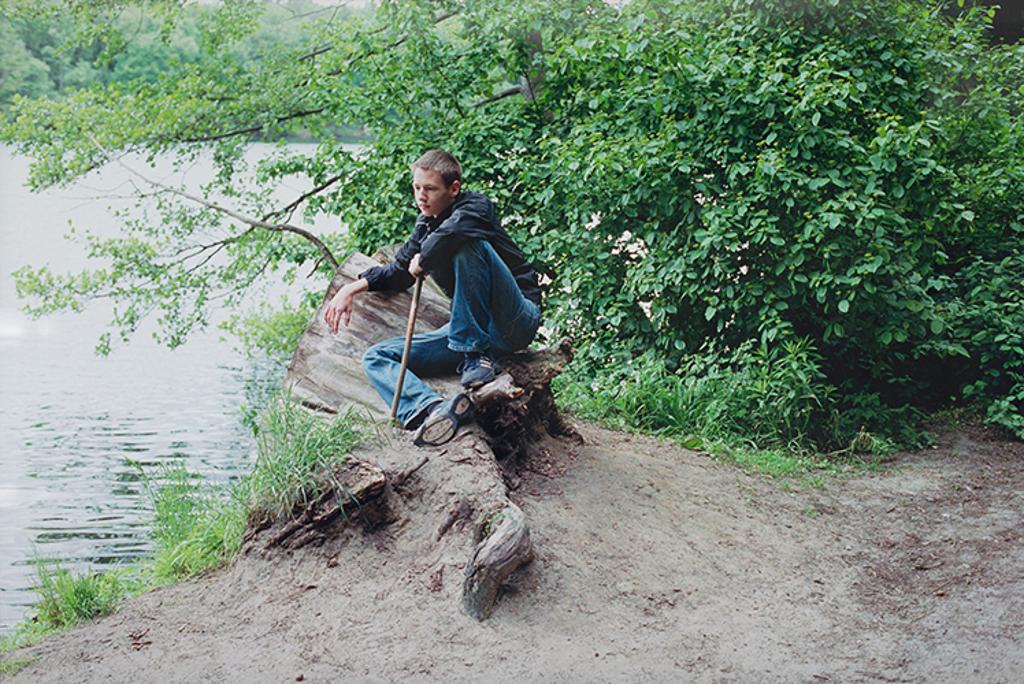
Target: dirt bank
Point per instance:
(653, 564)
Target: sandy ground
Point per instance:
(654, 564)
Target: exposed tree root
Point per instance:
(352, 492)
(503, 545)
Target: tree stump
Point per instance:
(455, 494)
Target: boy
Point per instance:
(458, 240)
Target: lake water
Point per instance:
(71, 422)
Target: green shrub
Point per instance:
(986, 318)
(707, 173)
(274, 331)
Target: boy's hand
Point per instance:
(414, 267)
(339, 309)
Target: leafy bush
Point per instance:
(987, 326)
(700, 175)
(272, 331)
(687, 174)
(845, 173)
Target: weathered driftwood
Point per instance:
(436, 494)
(503, 544)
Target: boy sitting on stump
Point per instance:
(458, 240)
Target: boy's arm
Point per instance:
(393, 276)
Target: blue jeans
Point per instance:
(489, 313)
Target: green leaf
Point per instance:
(692, 442)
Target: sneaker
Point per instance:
(444, 421)
(422, 414)
(477, 369)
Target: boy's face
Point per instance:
(432, 195)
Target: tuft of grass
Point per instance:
(66, 598)
(12, 666)
(766, 395)
(793, 464)
(198, 527)
(25, 634)
(297, 450)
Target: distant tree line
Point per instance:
(43, 53)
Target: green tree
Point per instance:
(23, 74)
(847, 177)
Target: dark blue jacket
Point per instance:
(436, 239)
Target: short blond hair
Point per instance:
(442, 162)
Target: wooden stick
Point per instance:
(408, 344)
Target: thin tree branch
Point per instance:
(213, 137)
(316, 265)
(290, 208)
(508, 92)
(234, 290)
(316, 53)
(255, 223)
(327, 48)
(327, 8)
(401, 40)
(196, 267)
(199, 249)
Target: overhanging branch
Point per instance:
(253, 222)
(213, 137)
(256, 128)
(508, 92)
(291, 207)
